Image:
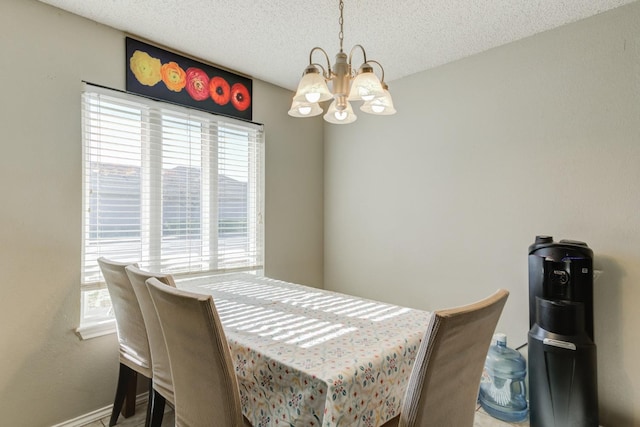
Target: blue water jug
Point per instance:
(502, 388)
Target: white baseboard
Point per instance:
(98, 414)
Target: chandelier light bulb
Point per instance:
(382, 105)
(366, 86)
(340, 115)
(312, 97)
(304, 110)
(312, 87)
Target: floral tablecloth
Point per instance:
(310, 357)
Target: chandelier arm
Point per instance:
(324, 71)
(364, 53)
(327, 71)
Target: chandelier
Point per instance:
(346, 86)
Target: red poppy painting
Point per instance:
(166, 76)
(220, 90)
(240, 97)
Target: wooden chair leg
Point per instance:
(127, 379)
(147, 420)
(129, 408)
(157, 403)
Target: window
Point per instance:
(174, 189)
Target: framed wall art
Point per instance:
(170, 77)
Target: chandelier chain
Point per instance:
(341, 21)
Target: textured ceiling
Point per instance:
(270, 40)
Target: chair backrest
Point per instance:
(160, 367)
(132, 334)
(445, 380)
(204, 380)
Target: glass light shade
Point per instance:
(340, 117)
(365, 87)
(312, 88)
(382, 106)
(304, 109)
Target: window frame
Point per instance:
(218, 132)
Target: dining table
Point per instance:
(306, 356)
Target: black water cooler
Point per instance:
(563, 389)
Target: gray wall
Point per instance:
(47, 374)
(437, 205)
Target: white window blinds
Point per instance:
(173, 189)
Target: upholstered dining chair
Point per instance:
(204, 380)
(162, 390)
(445, 380)
(135, 357)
